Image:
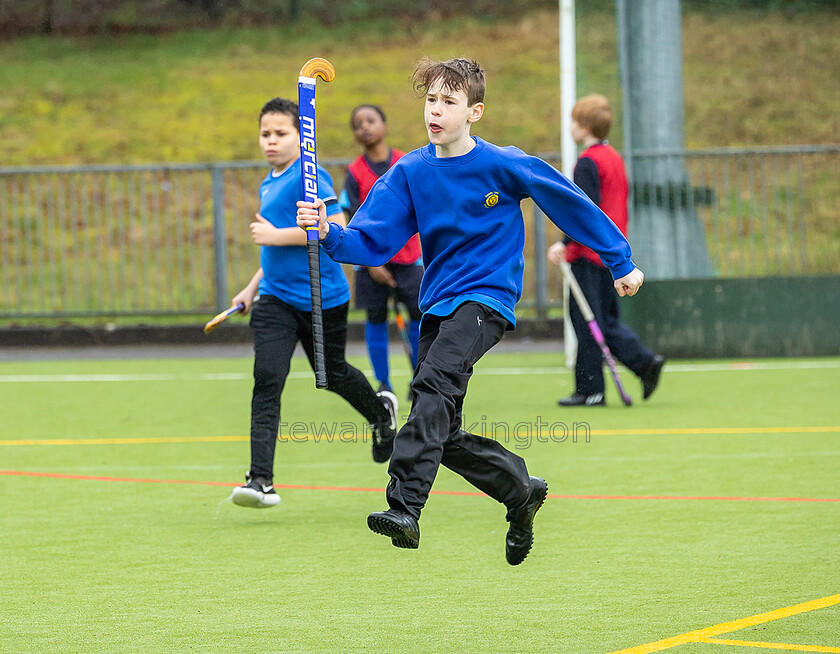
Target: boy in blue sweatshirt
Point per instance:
(462, 195)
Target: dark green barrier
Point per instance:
(766, 317)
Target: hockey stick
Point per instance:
(311, 70)
(589, 317)
(403, 330)
(220, 318)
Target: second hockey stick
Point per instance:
(589, 317)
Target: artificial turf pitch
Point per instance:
(691, 510)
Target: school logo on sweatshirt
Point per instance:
(491, 199)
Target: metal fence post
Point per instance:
(219, 238)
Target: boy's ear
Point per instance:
(476, 112)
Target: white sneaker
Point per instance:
(389, 400)
(382, 443)
(257, 493)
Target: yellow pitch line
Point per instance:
(126, 441)
(716, 430)
(748, 643)
(701, 635)
(298, 438)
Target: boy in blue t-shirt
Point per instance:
(462, 195)
(282, 314)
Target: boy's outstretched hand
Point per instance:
(313, 213)
(630, 283)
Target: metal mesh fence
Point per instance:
(174, 240)
(106, 241)
(764, 212)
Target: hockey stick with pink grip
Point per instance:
(589, 317)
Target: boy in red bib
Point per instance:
(401, 276)
(600, 174)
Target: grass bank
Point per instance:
(750, 79)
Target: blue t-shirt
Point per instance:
(286, 267)
(467, 212)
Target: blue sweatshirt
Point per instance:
(466, 210)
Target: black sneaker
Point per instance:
(401, 527)
(520, 535)
(383, 433)
(257, 493)
(578, 399)
(650, 377)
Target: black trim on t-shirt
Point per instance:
(351, 186)
(587, 178)
(379, 168)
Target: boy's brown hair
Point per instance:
(593, 112)
(454, 74)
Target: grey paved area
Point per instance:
(9, 354)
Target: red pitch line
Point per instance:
(693, 498)
(56, 475)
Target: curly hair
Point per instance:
(282, 106)
(374, 107)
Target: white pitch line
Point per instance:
(682, 367)
(739, 366)
(219, 376)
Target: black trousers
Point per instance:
(277, 328)
(374, 297)
(432, 435)
(625, 345)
